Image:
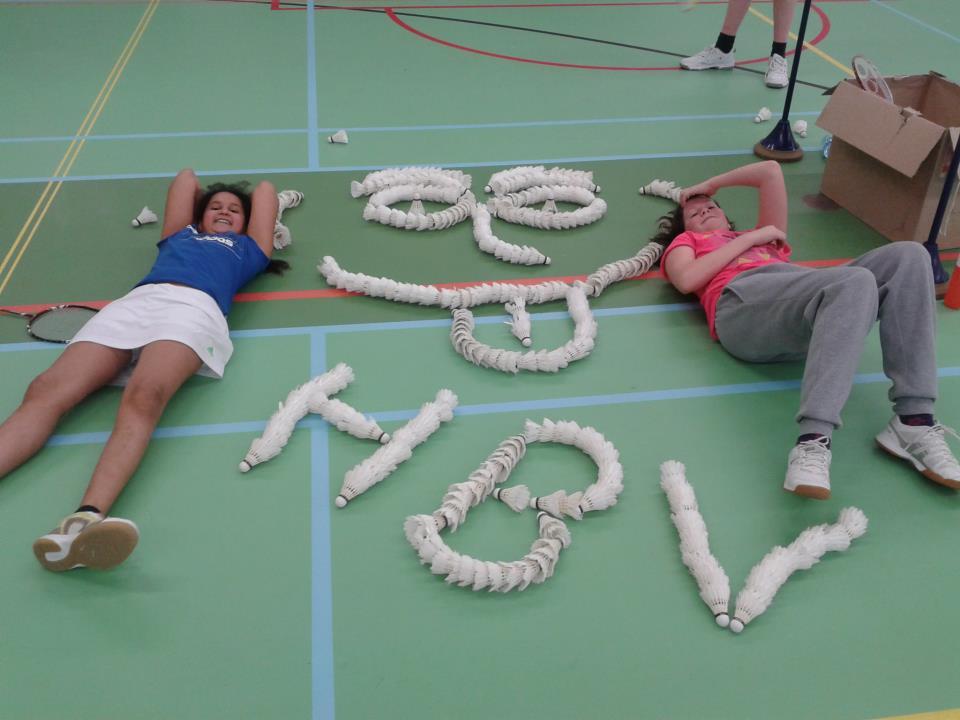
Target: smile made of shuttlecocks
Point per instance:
(423, 531)
(769, 575)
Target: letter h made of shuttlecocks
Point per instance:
(767, 576)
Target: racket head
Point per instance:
(870, 78)
(60, 323)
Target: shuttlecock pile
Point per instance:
(800, 128)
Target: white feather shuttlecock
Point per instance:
(662, 188)
(712, 580)
(516, 497)
(385, 460)
(416, 206)
(763, 114)
(800, 128)
(520, 325)
(144, 217)
(287, 199)
(281, 236)
(347, 418)
(769, 575)
(339, 138)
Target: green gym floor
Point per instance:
(250, 595)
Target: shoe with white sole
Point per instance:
(925, 448)
(808, 469)
(776, 76)
(86, 539)
(710, 58)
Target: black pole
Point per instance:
(939, 274)
(780, 144)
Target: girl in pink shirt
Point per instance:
(762, 308)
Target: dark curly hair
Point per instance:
(671, 225)
(242, 192)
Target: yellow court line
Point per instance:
(52, 187)
(807, 46)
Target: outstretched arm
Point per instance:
(182, 197)
(263, 216)
(766, 176)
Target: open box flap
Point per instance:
(880, 129)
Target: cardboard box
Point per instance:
(888, 162)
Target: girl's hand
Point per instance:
(704, 188)
(764, 235)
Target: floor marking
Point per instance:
(313, 147)
(806, 45)
(322, 686)
(314, 422)
(405, 128)
(916, 21)
(53, 186)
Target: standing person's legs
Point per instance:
(736, 11)
(81, 368)
(783, 11)
(86, 538)
(720, 56)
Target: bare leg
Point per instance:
(782, 19)
(81, 369)
(162, 368)
(736, 11)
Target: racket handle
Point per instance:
(14, 312)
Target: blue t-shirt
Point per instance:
(219, 264)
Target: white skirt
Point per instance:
(163, 311)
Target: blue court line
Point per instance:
(916, 21)
(314, 423)
(445, 322)
(153, 136)
(313, 147)
(394, 128)
(415, 163)
(321, 574)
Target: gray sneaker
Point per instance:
(925, 448)
(808, 469)
(710, 58)
(776, 76)
(86, 539)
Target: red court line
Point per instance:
(825, 29)
(330, 293)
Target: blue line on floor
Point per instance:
(912, 19)
(321, 583)
(313, 147)
(313, 422)
(413, 163)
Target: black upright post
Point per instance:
(780, 144)
(940, 275)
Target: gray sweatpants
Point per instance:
(787, 312)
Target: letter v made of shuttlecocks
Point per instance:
(767, 576)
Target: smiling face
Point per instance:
(224, 213)
(701, 214)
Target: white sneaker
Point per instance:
(776, 76)
(710, 58)
(808, 469)
(86, 539)
(925, 448)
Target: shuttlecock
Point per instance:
(289, 199)
(800, 128)
(144, 217)
(416, 207)
(339, 137)
(281, 236)
(763, 115)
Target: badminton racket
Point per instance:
(870, 78)
(56, 324)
